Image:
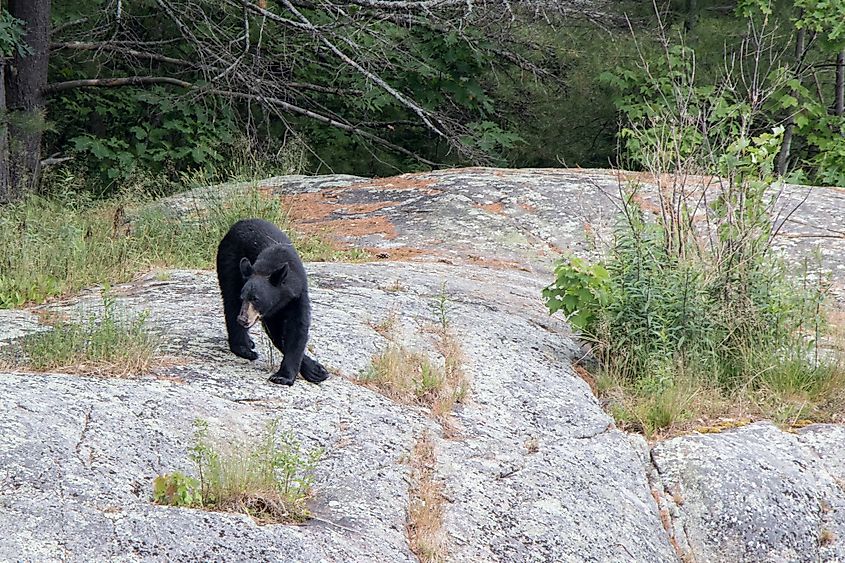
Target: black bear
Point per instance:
(262, 278)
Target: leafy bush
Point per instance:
(116, 134)
(680, 309)
(669, 119)
(176, 489)
(11, 36)
(580, 290)
(112, 344)
(679, 112)
(269, 480)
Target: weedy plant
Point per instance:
(693, 314)
(112, 343)
(269, 479)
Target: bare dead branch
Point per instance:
(105, 46)
(114, 82)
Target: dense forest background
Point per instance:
(109, 91)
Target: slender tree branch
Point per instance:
(63, 26)
(86, 46)
(114, 82)
(270, 15)
(328, 121)
(423, 114)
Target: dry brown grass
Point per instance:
(386, 326)
(456, 381)
(411, 377)
(789, 396)
(826, 537)
(425, 509)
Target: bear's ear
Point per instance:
(246, 267)
(280, 274)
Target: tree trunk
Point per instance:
(783, 157)
(26, 77)
(5, 192)
(691, 17)
(839, 106)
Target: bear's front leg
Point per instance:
(239, 341)
(283, 377)
(243, 347)
(294, 338)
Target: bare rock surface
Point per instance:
(536, 472)
(525, 217)
(756, 493)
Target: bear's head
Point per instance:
(264, 293)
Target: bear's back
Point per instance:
(250, 238)
(257, 232)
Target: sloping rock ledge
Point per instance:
(538, 472)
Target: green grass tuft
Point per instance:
(269, 480)
(56, 246)
(111, 344)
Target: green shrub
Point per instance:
(679, 307)
(580, 290)
(682, 103)
(269, 480)
(176, 489)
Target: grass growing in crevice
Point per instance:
(113, 343)
(411, 377)
(269, 479)
(59, 245)
(426, 536)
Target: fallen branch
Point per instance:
(52, 161)
(113, 82)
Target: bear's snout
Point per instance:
(248, 316)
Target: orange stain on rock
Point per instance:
(498, 208)
(645, 204)
(349, 227)
(689, 180)
(309, 206)
(497, 264)
(404, 182)
(362, 208)
(399, 254)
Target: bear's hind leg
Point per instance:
(312, 370)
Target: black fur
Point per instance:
(257, 264)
